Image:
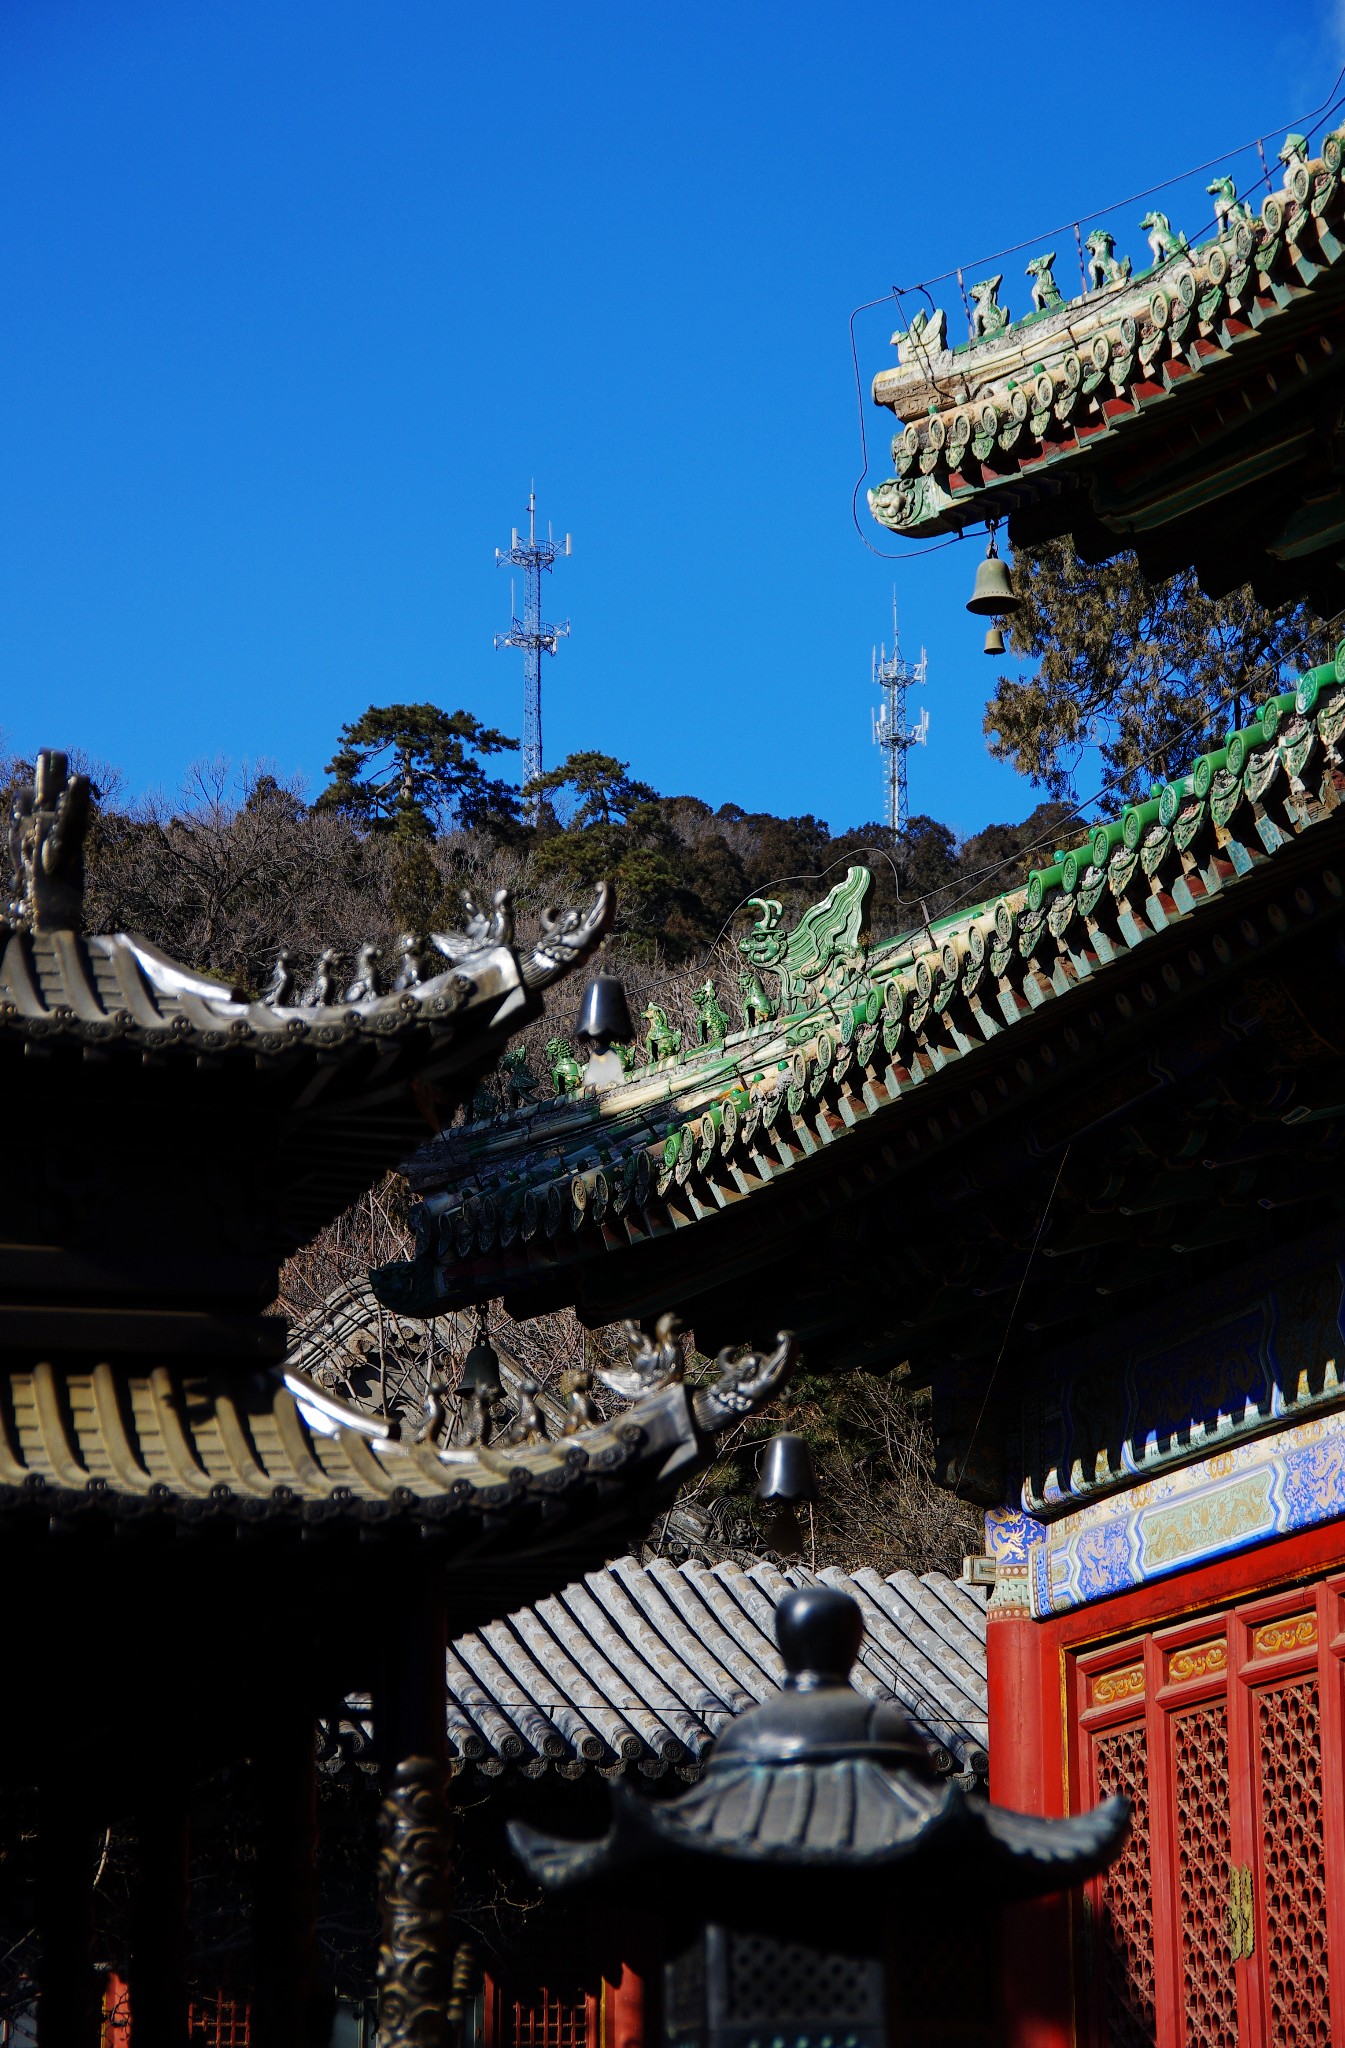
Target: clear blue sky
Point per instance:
(299, 294)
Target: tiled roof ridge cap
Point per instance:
(675, 1158)
(158, 1002)
(1036, 396)
(1309, 182)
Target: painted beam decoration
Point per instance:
(1049, 400)
(1238, 1498)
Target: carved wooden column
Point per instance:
(69, 1993)
(158, 1972)
(415, 1951)
(283, 1931)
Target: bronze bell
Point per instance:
(481, 1370)
(994, 593)
(604, 1014)
(994, 640)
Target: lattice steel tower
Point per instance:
(894, 676)
(530, 632)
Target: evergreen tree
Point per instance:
(599, 789)
(1142, 671)
(413, 769)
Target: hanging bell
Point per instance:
(994, 640)
(994, 594)
(604, 1013)
(787, 1470)
(481, 1370)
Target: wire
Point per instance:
(1308, 122)
(882, 555)
(1318, 117)
(911, 553)
(1008, 1327)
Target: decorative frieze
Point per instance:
(1243, 1496)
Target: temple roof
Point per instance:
(1188, 410)
(642, 1666)
(875, 1163)
(229, 1129)
(196, 1446)
(821, 1776)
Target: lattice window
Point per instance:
(1126, 1921)
(219, 2022)
(1288, 1721)
(1200, 1760)
(770, 1981)
(547, 2019)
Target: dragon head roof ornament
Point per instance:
(830, 936)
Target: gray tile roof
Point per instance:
(641, 1666)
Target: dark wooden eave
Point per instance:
(1142, 1088)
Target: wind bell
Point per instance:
(994, 596)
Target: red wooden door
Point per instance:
(1218, 1926)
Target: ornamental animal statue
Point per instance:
(1228, 208)
(1163, 242)
(48, 820)
(661, 1042)
(926, 336)
(987, 314)
(757, 1005)
(712, 1019)
(581, 1410)
(519, 1080)
(1103, 267)
(1295, 151)
(832, 931)
(418, 961)
(280, 988)
(566, 1072)
(322, 988)
(1046, 294)
(367, 965)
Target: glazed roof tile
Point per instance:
(643, 1665)
(1072, 394)
(525, 1205)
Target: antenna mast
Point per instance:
(530, 632)
(894, 676)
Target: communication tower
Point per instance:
(531, 633)
(894, 676)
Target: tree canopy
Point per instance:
(599, 788)
(1138, 670)
(413, 769)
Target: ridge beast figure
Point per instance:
(566, 1072)
(712, 1019)
(661, 1041)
